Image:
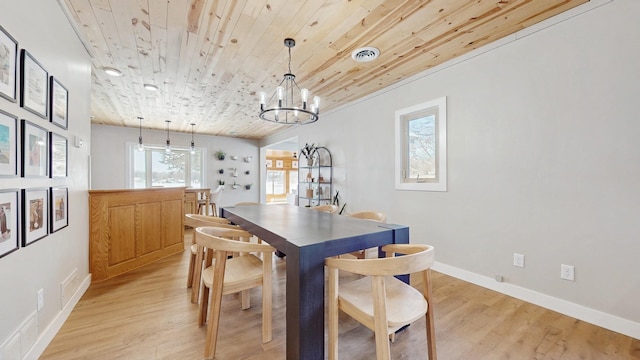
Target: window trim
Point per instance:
(402, 117)
(132, 149)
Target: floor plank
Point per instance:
(147, 314)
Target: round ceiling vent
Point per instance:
(365, 54)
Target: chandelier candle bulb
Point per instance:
(304, 95)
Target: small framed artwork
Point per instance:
(35, 217)
(269, 163)
(34, 84)
(59, 208)
(59, 104)
(35, 147)
(58, 161)
(279, 164)
(9, 215)
(294, 164)
(8, 60)
(8, 144)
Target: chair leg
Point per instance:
(216, 304)
(333, 314)
(204, 305)
(429, 318)
(245, 299)
(192, 263)
(267, 297)
(381, 327)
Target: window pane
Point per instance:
(293, 182)
(275, 182)
(139, 173)
(196, 169)
(422, 147)
(167, 169)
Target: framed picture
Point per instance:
(8, 60)
(8, 144)
(59, 104)
(269, 163)
(35, 217)
(9, 228)
(58, 161)
(35, 147)
(59, 208)
(34, 84)
(294, 164)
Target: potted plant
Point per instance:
(307, 151)
(221, 182)
(221, 171)
(235, 184)
(220, 154)
(248, 186)
(248, 172)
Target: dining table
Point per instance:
(307, 238)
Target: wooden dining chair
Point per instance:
(331, 209)
(247, 203)
(380, 301)
(194, 221)
(231, 275)
(214, 201)
(367, 215)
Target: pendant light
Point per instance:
(140, 145)
(289, 104)
(193, 144)
(167, 147)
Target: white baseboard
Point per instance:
(50, 332)
(604, 320)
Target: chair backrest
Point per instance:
(225, 232)
(216, 194)
(331, 209)
(418, 257)
(195, 220)
(247, 203)
(369, 215)
(218, 239)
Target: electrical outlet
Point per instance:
(40, 299)
(518, 260)
(567, 272)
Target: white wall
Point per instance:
(543, 160)
(109, 168)
(41, 27)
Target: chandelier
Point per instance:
(289, 104)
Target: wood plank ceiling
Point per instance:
(210, 58)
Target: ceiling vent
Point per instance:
(365, 54)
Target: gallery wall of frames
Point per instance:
(29, 150)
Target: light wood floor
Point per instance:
(147, 314)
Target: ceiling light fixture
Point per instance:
(288, 105)
(140, 145)
(365, 54)
(193, 144)
(167, 147)
(150, 87)
(112, 71)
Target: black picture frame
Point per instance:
(59, 212)
(35, 150)
(8, 65)
(59, 103)
(58, 155)
(8, 144)
(34, 85)
(9, 221)
(35, 215)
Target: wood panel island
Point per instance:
(129, 228)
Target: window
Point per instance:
(154, 167)
(421, 147)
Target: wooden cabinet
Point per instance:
(131, 228)
(190, 202)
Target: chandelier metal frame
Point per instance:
(283, 108)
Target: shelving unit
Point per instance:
(315, 177)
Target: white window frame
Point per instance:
(437, 107)
(132, 148)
